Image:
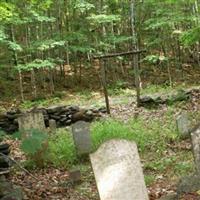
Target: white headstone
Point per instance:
(81, 136)
(118, 171)
(32, 120)
(183, 125)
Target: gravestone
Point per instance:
(183, 125)
(32, 120)
(52, 125)
(81, 136)
(191, 183)
(195, 136)
(118, 171)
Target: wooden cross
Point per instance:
(103, 71)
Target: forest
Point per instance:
(130, 69)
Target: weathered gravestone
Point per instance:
(81, 136)
(32, 120)
(183, 125)
(118, 171)
(191, 183)
(195, 136)
(52, 125)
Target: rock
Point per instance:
(188, 184)
(103, 110)
(64, 110)
(3, 164)
(89, 113)
(78, 116)
(15, 122)
(12, 117)
(11, 128)
(5, 187)
(55, 117)
(54, 109)
(68, 122)
(146, 99)
(16, 194)
(4, 146)
(5, 151)
(75, 176)
(74, 108)
(64, 119)
(8, 191)
(4, 161)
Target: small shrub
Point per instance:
(61, 149)
(35, 145)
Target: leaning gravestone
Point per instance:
(183, 125)
(118, 171)
(81, 136)
(32, 120)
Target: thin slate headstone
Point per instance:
(32, 120)
(183, 125)
(118, 172)
(81, 136)
(195, 136)
(52, 125)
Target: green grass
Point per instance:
(39, 102)
(62, 151)
(148, 135)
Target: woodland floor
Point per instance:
(52, 183)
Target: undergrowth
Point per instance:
(152, 137)
(62, 151)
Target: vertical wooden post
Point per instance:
(135, 56)
(104, 84)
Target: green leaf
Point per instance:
(36, 64)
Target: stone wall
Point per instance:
(63, 115)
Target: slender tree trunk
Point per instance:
(33, 83)
(15, 58)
